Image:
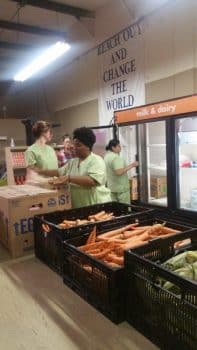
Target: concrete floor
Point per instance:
(38, 312)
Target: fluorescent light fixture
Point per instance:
(50, 55)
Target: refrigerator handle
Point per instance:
(137, 167)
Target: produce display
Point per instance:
(18, 159)
(110, 246)
(184, 265)
(101, 216)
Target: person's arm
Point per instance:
(122, 171)
(77, 180)
(46, 172)
(82, 180)
(60, 172)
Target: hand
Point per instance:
(61, 180)
(134, 164)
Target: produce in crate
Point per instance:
(184, 265)
(101, 216)
(110, 246)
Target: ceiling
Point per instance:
(18, 46)
(75, 20)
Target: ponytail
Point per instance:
(112, 143)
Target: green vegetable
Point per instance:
(184, 265)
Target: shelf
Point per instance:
(157, 167)
(159, 201)
(188, 143)
(156, 145)
(3, 138)
(18, 149)
(191, 168)
(19, 167)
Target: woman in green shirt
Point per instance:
(40, 155)
(86, 173)
(117, 178)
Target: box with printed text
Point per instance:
(18, 205)
(134, 188)
(158, 186)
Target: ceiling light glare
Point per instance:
(47, 57)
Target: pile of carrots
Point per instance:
(110, 246)
(101, 216)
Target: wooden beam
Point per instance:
(25, 28)
(15, 46)
(58, 7)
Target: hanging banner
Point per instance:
(121, 72)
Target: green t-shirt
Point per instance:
(116, 183)
(94, 167)
(42, 157)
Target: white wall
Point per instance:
(170, 58)
(84, 114)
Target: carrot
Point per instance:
(115, 259)
(87, 247)
(98, 215)
(182, 243)
(155, 229)
(165, 235)
(81, 222)
(144, 236)
(62, 225)
(101, 254)
(169, 230)
(69, 222)
(143, 227)
(118, 237)
(94, 251)
(107, 217)
(120, 250)
(116, 240)
(88, 268)
(137, 232)
(112, 264)
(133, 244)
(92, 236)
(113, 233)
(46, 228)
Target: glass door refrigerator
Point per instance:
(164, 140)
(186, 162)
(146, 142)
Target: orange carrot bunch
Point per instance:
(110, 246)
(101, 216)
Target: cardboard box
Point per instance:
(158, 186)
(18, 205)
(134, 188)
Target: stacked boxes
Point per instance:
(134, 188)
(18, 205)
(158, 186)
(18, 159)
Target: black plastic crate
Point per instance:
(168, 319)
(100, 285)
(48, 244)
(180, 217)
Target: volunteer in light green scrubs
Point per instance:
(117, 178)
(86, 173)
(39, 155)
